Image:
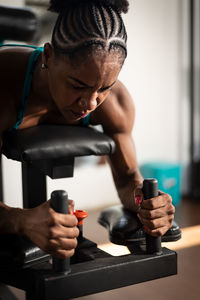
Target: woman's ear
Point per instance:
(47, 55)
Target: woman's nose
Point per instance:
(88, 102)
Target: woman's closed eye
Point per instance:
(101, 90)
(104, 89)
(78, 87)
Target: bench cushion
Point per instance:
(125, 228)
(19, 24)
(55, 141)
(19, 252)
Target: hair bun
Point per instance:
(58, 6)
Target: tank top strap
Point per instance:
(27, 84)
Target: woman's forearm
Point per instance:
(10, 219)
(129, 189)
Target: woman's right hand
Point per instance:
(53, 232)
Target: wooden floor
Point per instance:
(184, 286)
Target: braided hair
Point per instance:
(89, 24)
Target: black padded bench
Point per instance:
(18, 24)
(50, 150)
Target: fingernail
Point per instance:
(138, 199)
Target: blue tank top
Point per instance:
(27, 85)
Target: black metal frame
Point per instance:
(92, 271)
(194, 162)
(33, 185)
(1, 180)
(34, 178)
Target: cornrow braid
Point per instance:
(86, 24)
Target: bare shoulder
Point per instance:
(13, 60)
(13, 63)
(117, 113)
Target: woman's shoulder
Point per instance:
(14, 56)
(117, 112)
(13, 64)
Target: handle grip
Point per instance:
(150, 190)
(59, 202)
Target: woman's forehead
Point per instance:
(95, 69)
(101, 63)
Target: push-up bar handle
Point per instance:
(150, 190)
(59, 202)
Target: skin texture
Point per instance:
(62, 94)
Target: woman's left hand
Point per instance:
(157, 214)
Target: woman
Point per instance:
(73, 80)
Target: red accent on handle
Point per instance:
(81, 215)
(138, 200)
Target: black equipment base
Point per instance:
(92, 271)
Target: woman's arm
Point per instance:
(52, 232)
(117, 116)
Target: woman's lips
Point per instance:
(78, 115)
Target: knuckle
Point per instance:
(171, 209)
(147, 214)
(53, 218)
(52, 233)
(67, 253)
(170, 225)
(152, 224)
(168, 198)
(150, 214)
(152, 233)
(51, 244)
(71, 244)
(75, 221)
(152, 204)
(171, 222)
(76, 232)
(75, 243)
(71, 252)
(72, 220)
(158, 232)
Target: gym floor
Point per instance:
(183, 286)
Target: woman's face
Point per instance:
(79, 90)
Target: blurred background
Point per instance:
(162, 74)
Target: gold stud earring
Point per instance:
(44, 66)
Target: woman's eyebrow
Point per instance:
(79, 81)
(107, 87)
(86, 85)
